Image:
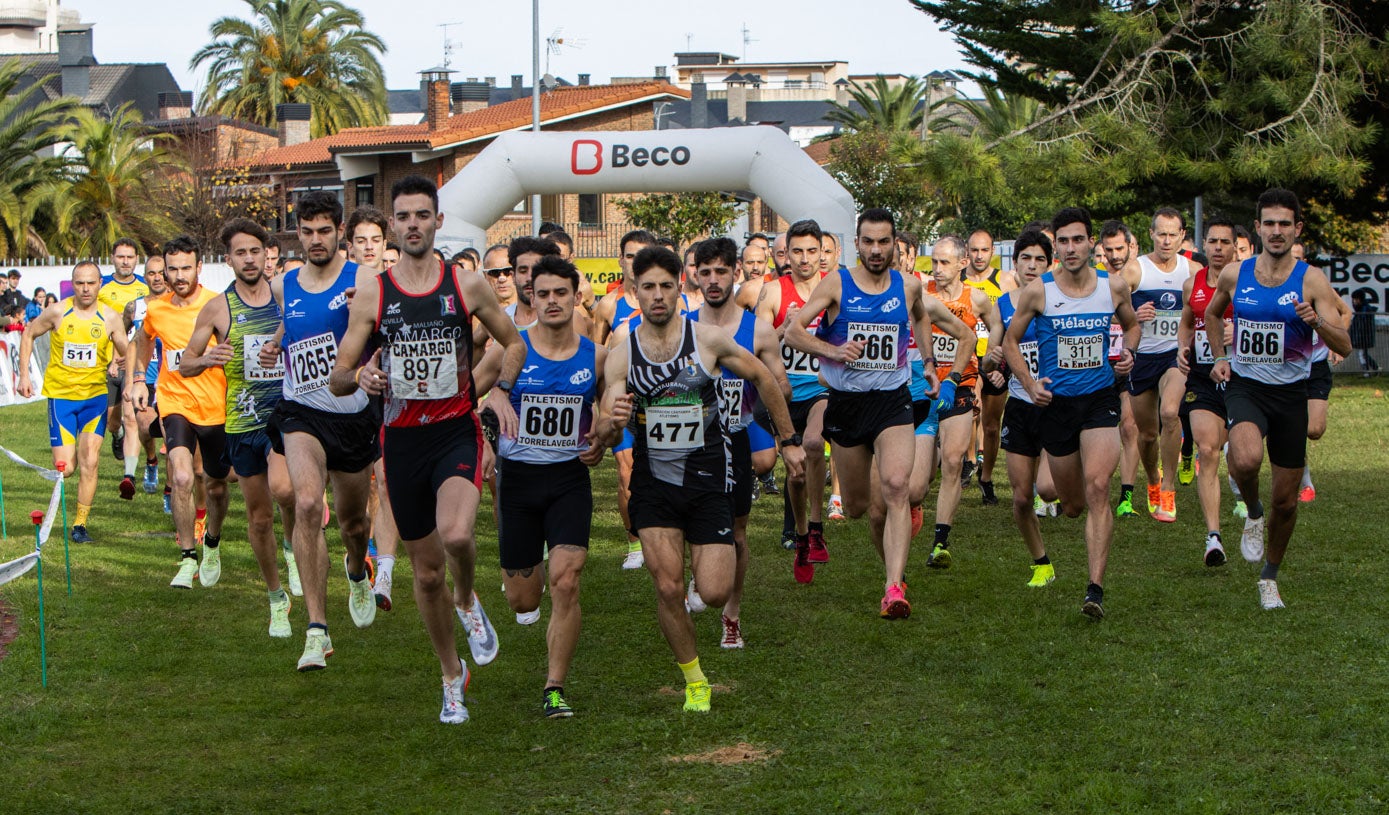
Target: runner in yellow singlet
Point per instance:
(117, 290)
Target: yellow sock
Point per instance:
(692, 672)
(82, 511)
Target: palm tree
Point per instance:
(110, 193)
(297, 51)
(992, 118)
(28, 131)
(883, 107)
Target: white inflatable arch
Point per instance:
(760, 159)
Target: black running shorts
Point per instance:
(1066, 416)
(855, 419)
(210, 440)
(418, 460)
(350, 441)
(1280, 413)
(542, 504)
(704, 516)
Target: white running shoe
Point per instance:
(1268, 595)
(635, 560)
(528, 617)
(382, 589)
(295, 587)
(1215, 553)
(210, 571)
(361, 603)
(279, 619)
(317, 648)
(693, 602)
(1251, 543)
(187, 568)
(454, 711)
(482, 638)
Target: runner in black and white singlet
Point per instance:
(1280, 304)
(663, 381)
(419, 315)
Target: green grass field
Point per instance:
(993, 698)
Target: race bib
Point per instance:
(731, 401)
(675, 427)
(550, 421)
(981, 338)
(1202, 345)
(424, 369)
(1259, 343)
(79, 355)
(172, 358)
(799, 362)
(311, 361)
(879, 346)
(943, 347)
(1080, 353)
(1116, 341)
(250, 360)
(1163, 326)
(1029, 353)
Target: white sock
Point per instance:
(1307, 475)
(384, 564)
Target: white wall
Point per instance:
(215, 276)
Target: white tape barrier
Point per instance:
(9, 370)
(21, 566)
(17, 568)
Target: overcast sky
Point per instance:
(603, 38)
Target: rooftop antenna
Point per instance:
(448, 43)
(689, 39)
(556, 43)
(747, 38)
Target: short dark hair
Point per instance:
(636, 236)
(557, 266)
(1169, 212)
(82, 264)
(470, 252)
(1113, 227)
(1221, 220)
(1031, 238)
(908, 238)
(669, 244)
(124, 242)
(525, 244)
(756, 236)
(243, 226)
(1071, 215)
(561, 238)
(1241, 231)
(272, 242)
(366, 215)
(1037, 226)
(876, 215)
(804, 228)
(415, 185)
(182, 245)
(344, 246)
(656, 256)
(546, 228)
(393, 245)
(1279, 197)
(316, 204)
(722, 249)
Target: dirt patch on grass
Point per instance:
(9, 628)
(740, 753)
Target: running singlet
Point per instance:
(677, 435)
(1007, 307)
(802, 369)
(79, 354)
(252, 391)
(427, 342)
(737, 397)
(1072, 338)
(511, 315)
(1272, 344)
(553, 400)
(629, 316)
(1201, 293)
(1164, 291)
(989, 286)
(882, 322)
(314, 325)
(200, 399)
(943, 344)
(114, 294)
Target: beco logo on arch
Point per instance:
(586, 156)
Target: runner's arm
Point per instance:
(1322, 309)
(1186, 327)
(602, 321)
(212, 322)
(1215, 321)
(115, 329)
(1128, 320)
(596, 448)
(485, 373)
(1028, 305)
(746, 366)
(361, 324)
(483, 304)
(767, 306)
(825, 297)
(768, 350)
(616, 407)
(47, 320)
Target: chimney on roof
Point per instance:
(490, 80)
(737, 85)
(469, 96)
(75, 60)
(516, 85)
(841, 92)
(434, 86)
(584, 79)
(293, 120)
(660, 72)
(175, 104)
(699, 103)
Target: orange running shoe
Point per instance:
(1154, 498)
(1167, 507)
(895, 605)
(917, 520)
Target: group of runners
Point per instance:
(404, 388)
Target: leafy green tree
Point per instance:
(882, 106)
(878, 171)
(681, 216)
(314, 52)
(29, 130)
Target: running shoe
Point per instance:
(1039, 507)
(1125, 509)
(1042, 575)
(989, 499)
(168, 504)
(454, 711)
(317, 648)
(697, 696)
(187, 568)
(482, 638)
(966, 472)
(555, 706)
(1053, 508)
(895, 605)
(199, 529)
(292, 569)
(756, 489)
(80, 534)
(1167, 507)
(1186, 471)
(1307, 494)
(693, 602)
(361, 603)
(1154, 498)
(818, 553)
(381, 587)
(210, 571)
(836, 512)
(1251, 543)
(1240, 510)
(1268, 595)
(1215, 553)
(1093, 607)
(279, 619)
(127, 488)
(940, 558)
(732, 634)
(327, 513)
(118, 442)
(151, 482)
(788, 539)
(918, 520)
(769, 486)
(528, 617)
(801, 568)
(635, 560)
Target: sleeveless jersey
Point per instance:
(802, 369)
(883, 322)
(737, 397)
(200, 399)
(1164, 291)
(943, 344)
(1272, 344)
(989, 286)
(314, 325)
(1201, 293)
(677, 435)
(252, 391)
(1007, 307)
(1072, 335)
(114, 294)
(553, 400)
(78, 356)
(511, 315)
(428, 352)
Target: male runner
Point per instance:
(323, 437)
(1280, 303)
(122, 287)
(192, 411)
(419, 314)
(500, 275)
(239, 322)
(1120, 250)
(133, 316)
(1318, 384)
(1073, 308)
(663, 379)
(753, 268)
(867, 312)
(981, 274)
(780, 264)
(366, 235)
(545, 494)
(523, 253)
(86, 335)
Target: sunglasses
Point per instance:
(499, 271)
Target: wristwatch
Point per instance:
(504, 385)
(794, 440)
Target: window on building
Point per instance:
(366, 193)
(291, 221)
(768, 220)
(590, 209)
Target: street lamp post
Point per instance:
(535, 100)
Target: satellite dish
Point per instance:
(548, 82)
